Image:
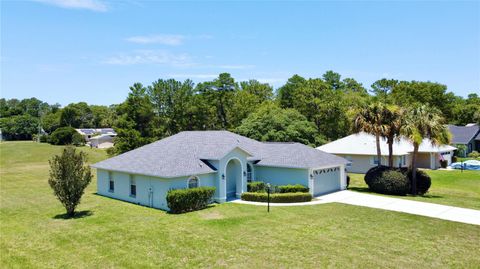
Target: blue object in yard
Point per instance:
(467, 165)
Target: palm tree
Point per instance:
(392, 118)
(420, 123)
(370, 120)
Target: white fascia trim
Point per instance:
(150, 175)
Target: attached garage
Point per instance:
(326, 180)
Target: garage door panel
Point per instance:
(326, 180)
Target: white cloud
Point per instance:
(172, 40)
(93, 5)
(150, 57)
(198, 76)
(235, 66)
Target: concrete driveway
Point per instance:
(444, 212)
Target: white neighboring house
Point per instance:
(98, 137)
(361, 150)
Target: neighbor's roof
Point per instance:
(364, 144)
(90, 131)
(182, 154)
(463, 134)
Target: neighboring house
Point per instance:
(221, 159)
(468, 135)
(361, 150)
(98, 137)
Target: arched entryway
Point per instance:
(234, 178)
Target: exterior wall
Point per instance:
(281, 176)
(151, 191)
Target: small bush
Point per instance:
(186, 200)
(423, 180)
(66, 136)
(43, 138)
(290, 197)
(454, 159)
(256, 186)
(348, 181)
(292, 188)
(387, 180)
(474, 154)
(443, 163)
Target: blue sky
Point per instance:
(71, 50)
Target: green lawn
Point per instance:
(111, 233)
(452, 187)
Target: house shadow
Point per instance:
(78, 215)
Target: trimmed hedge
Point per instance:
(385, 180)
(292, 188)
(443, 163)
(423, 180)
(186, 200)
(256, 186)
(376, 183)
(289, 197)
(66, 136)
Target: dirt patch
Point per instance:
(212, 215)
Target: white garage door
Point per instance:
(326, 180)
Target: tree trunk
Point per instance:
(414, 169)
(390, 151)
(379, 151)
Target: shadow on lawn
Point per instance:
(78, 215)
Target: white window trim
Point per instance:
(193, 177)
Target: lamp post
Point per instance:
(268, 197)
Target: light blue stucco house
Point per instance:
(221, 159)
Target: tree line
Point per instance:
(308, 110)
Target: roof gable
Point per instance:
(463, 134)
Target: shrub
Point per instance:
(348, 181)
(289, 197)
(387, 180)
(292, 188)
(257, 186)
(423, 180)
(443, 163)
(66, 136)
(186, 200)
(454, 159)
(474, 154)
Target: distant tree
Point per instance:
(77, 115)
(246, 100)
(69, 177)
(420, 123)
(19, 127)
(286, 92)
(272, 123)
(66, 136)
(383, 88)
(51, 121)
(371, 120)
(333, 80)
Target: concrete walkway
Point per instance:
(444, 212)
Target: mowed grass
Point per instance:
(111, 233)
(449, 187)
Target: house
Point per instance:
(361, 151)
(221, 159)
(468, 135)
(98, 137)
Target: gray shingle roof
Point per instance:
(463, 134)
(182, 154)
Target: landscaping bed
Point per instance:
(258, 192)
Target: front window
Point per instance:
(249, 173)
(193, 182)
(375, 160)
(133, 187)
